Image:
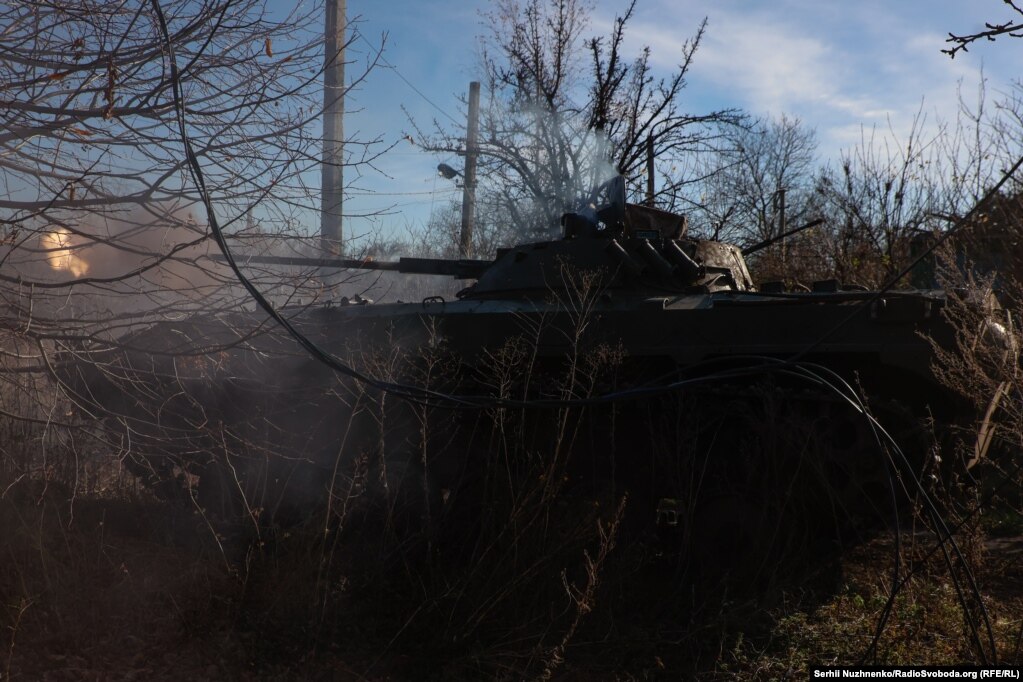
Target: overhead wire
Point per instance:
(409, 83)
(945, 534)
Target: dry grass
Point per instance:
(130, 590)
(496, 545)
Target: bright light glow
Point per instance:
(60, 254)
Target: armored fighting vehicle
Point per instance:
(625, 357)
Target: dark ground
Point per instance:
(136, 589)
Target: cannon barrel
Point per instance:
(459, 269)
(767, 242)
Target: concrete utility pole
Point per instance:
(650, 171)
(469, 186)
(331, 182)
(779, 209)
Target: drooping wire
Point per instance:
(195, 171)
(407, 82)
(791, 366)
(945, 534)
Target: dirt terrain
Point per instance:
(134, 589)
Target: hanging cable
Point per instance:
(815, 374)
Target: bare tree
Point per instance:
(979, 144)
(566, 112)
(1011, 27)
(740, 192)
(94, 170)
(99, 216)
(640, 115)
(882, 194)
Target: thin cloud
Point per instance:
(871, 66)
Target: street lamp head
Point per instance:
(446, 171)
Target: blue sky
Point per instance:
(841, 67)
